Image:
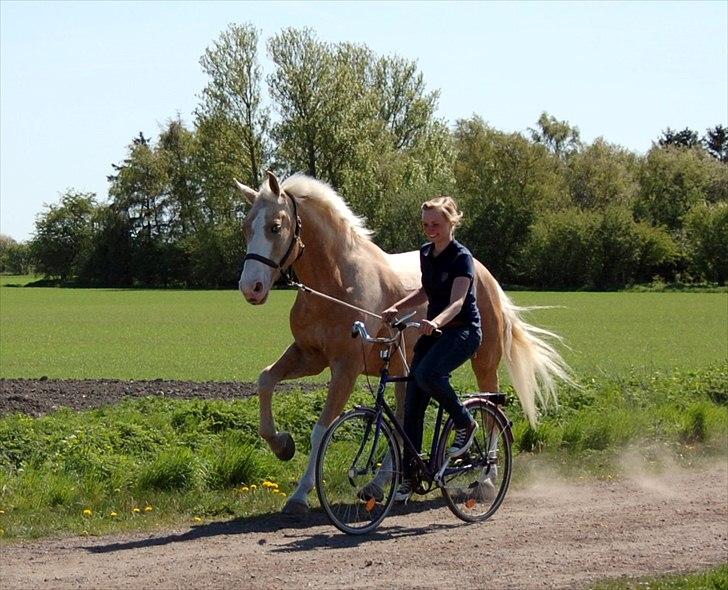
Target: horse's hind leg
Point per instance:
(293, 363)
(343, 378)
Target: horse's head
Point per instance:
(271, 231)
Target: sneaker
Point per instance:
(463, 439)
(371, 490)
(404, 491)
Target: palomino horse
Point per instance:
(341, 261)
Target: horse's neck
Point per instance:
(330, 258)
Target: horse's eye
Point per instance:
(276, 229)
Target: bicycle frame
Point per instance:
(382, 408)
(432, 472)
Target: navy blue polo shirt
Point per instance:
(439, 273)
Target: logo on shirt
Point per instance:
(443, 276)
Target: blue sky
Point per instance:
(79, 80)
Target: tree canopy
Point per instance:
(543, 208)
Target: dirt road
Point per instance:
(551, 535)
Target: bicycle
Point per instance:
(359, 463)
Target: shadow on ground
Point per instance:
(295, 527)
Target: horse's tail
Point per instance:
(533, 363)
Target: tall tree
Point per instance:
(686, 138)
(63, 235)
(176, 151)
(232, 96)
(404, 104)
(716, 142)
(672, 180)
(504, 181)
(603, 175)
(300, 86)
(559, 137)
(14, 256)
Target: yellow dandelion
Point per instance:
(253, 487)
(244, 489)
(113, 514)
(135, 510)
(87, 512)
(148, 508)
(2, 512)
(283, 494)
(198, 519)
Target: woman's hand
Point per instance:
(427, 327)
(389, 314)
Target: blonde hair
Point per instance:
(447, 206)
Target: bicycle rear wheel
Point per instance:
(475, 484)
(357, 471)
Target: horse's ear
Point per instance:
(249, 194)
(273, 184)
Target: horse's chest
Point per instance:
(327, 339)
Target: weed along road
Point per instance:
(548, 535)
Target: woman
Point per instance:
(449, 290)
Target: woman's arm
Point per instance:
(460, 288)
(414, 299)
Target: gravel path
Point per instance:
(552, 535)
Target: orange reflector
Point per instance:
(371, 503)
(470, 503)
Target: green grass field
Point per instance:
(215, 335)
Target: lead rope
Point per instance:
(307, 289)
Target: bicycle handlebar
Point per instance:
(359, 329)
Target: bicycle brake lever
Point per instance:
(400, 323)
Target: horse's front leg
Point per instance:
(293, 363)
(343, 378)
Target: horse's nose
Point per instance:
(253, 293)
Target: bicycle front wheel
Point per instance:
(475, 484)
(357, 471)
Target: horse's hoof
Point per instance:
(295, 508)
(286, 448)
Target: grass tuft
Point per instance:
(232, 464)
(173, 470)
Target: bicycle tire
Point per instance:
(357, 471)
(474, 485)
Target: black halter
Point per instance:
(295, 239)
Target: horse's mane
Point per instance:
(328, 201)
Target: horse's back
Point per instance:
(406, 265)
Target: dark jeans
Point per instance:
(433, 362)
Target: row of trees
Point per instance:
(542, 209)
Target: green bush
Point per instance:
(560, 249)
(586, 249)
